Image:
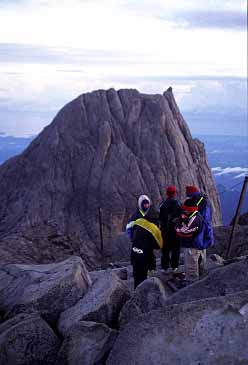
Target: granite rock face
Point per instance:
(27, 339)
(45, 289)
(87, 343)
(209, 331)
(148, 296)
(101, 151)
(222, 281)
(102, 303)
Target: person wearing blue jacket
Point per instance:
(190, 229)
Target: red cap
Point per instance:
(171, 190)
(191, 189)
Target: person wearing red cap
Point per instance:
(201, 201)
(191, 190)
(170, 210)
(190, 229)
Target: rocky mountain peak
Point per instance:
(101, 151)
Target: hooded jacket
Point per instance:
(139, 213)
(146, 237)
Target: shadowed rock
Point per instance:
(47, 289)
(222, 237)
(102, 150)
(210, 331)
(102, 303)
(243, 219)
(27, 339)
(87, 343)
(220, 282)
(149, 295)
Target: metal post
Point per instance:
(100, 228)
(235, 221)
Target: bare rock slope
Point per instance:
(102, 150)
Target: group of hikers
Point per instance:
(174, 226)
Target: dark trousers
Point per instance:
(171, 250)
(139, 274)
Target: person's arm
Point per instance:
(130, 225)
(189, 228)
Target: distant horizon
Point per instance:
(201, 119)
(194, 135)
(199, 47)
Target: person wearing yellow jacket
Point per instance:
(145, 238)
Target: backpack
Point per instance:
(205, 238)
(205, 208)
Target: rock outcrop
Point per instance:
(101, 304)
(192, 326)
(101, 152)
(220, 282)
(149, 295)
(32, 297)
(45, 289)
(27, 339)
(210, 331)
(87, 343)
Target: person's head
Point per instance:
(189, 207)
(191, 190)
(171, 191)
(144, 203)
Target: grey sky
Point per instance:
(212, 19)
(52, 51)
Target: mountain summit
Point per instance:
(101, 152)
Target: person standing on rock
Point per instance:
(144, 204)
(170, 210)
(201, 201)
(146, 237)
(190, 229)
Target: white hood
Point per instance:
(141, 199)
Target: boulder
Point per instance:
(210, 332)
(27, 339)
(102, 303)
(47, 289)
(87, 343)
(149, 295)
(220, 282)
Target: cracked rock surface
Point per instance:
(102, 150)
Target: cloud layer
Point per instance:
(241, 171)
(89, 44)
